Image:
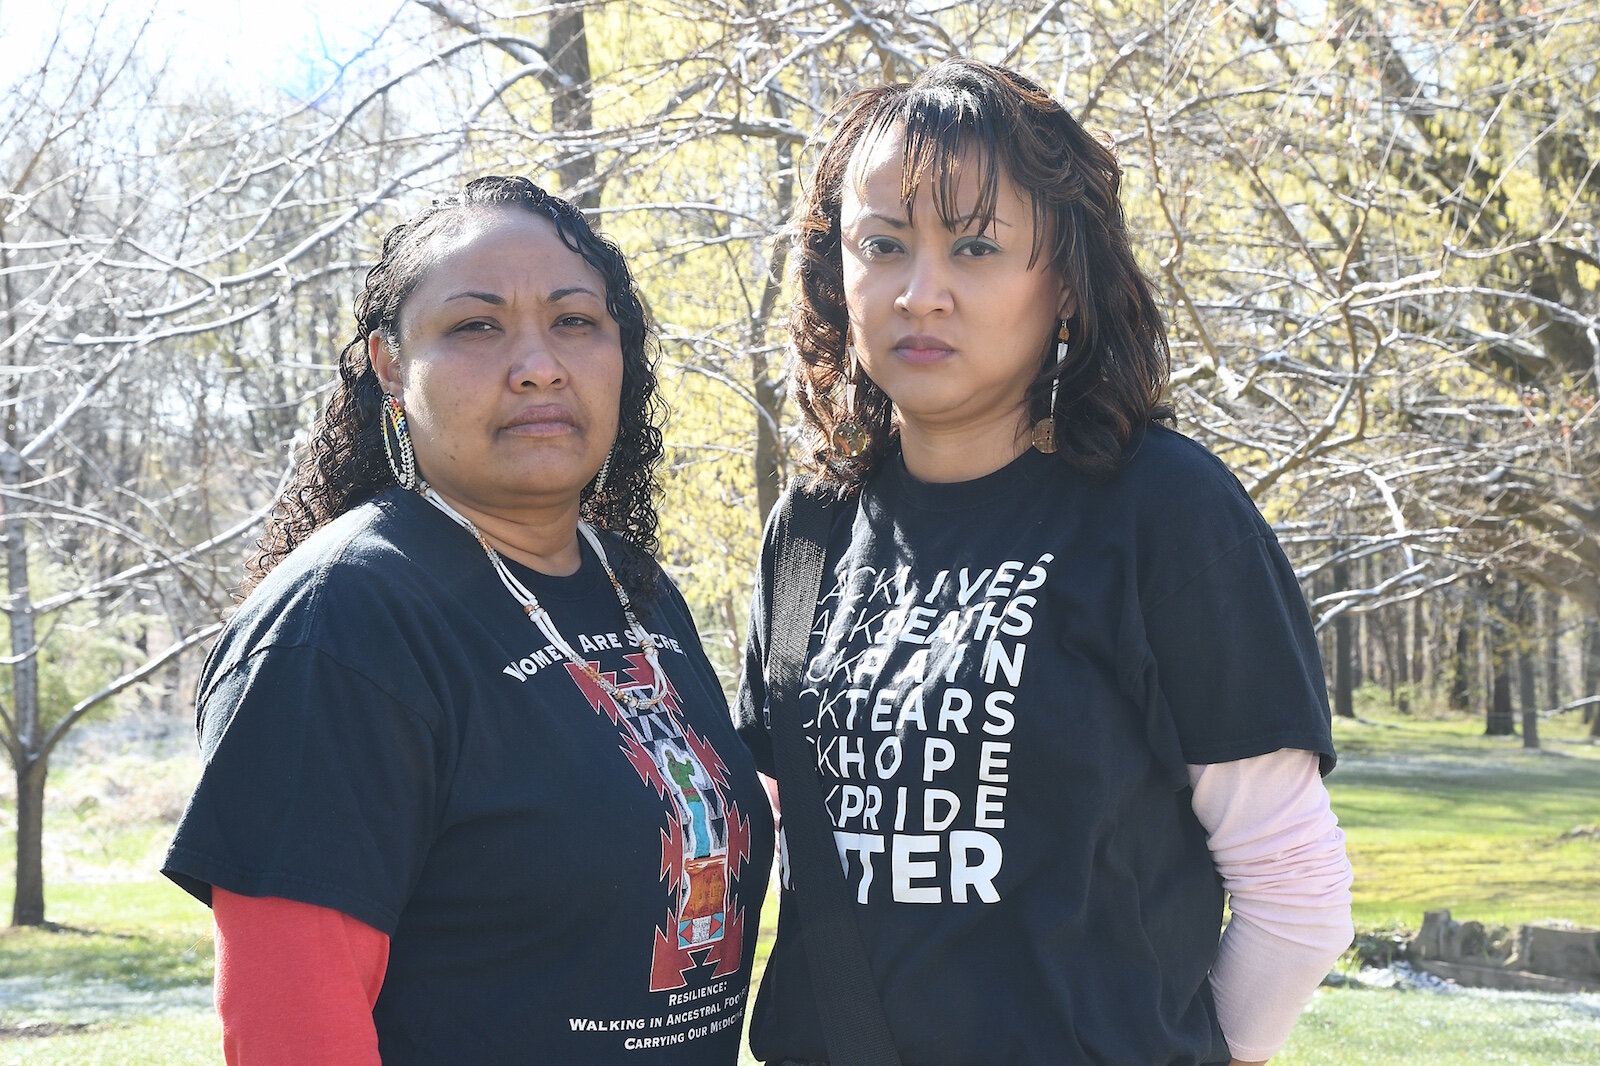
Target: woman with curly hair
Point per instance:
(1062, 693)
(470, 791)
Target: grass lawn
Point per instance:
(1384, 1027)
(124, 975)
(1436, 815)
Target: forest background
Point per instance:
(1375, 229)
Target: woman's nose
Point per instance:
(537, 363)
(926, 290)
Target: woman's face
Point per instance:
(510, 366)
(953, 324)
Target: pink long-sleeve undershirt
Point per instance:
(1280, 852)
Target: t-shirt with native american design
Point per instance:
(1007, 678)
(562, 879)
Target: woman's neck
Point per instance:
(543, 538)
(962, 453)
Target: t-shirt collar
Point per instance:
(899, 485)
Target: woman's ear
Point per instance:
(1069, 303)
(385, 359)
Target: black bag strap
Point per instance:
(853, 1025)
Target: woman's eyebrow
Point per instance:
(573, 290)
(993, 223)
(498, 300)
(887, 220)
(475, 294)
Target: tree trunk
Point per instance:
(767, 385)
(1343, 682)
(27, 907)
(1359, 674)
(1402, 663)
(1379, 625)
(1589, 671)
(1524, 635)
(1499, 721)
(1552, 649)
(1419, 671)
(1461, 680)
(572, 104)
(768, 457)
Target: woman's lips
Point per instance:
(546, 420)
(919, 348)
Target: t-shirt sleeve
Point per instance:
(1231, 644)
(319, 786)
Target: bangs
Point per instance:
(953, 142)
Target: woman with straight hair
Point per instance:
(1061, 694)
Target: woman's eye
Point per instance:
(876, 247)
(976, 247)
(574, 321)
(476, 325)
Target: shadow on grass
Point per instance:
(75, 930)
(74, 953)
(40, 1030)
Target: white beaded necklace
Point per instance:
(547, 625)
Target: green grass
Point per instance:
(122, 977)
(189, 1038)
(123, 973)
(1385, 1027)
(1436, 815)
(145, 935)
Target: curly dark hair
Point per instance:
(963, 120)
(344, 464)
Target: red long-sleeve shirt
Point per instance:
(296, 983)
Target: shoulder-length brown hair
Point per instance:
(967, 120)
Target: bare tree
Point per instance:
(160, 260)
(85, 547)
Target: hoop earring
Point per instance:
(397, 446)
(1044, 430)
(850, 437)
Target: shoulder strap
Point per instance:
(853, 1024)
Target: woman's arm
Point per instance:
(1280, 852)
(296, 983)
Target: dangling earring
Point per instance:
(850, 437)
(605, 469)
(397, 444)
(1044, 430)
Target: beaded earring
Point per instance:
(850, 437)
(605, 469)
(397, 444)
(1044, 430)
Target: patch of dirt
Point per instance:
(34, 1030)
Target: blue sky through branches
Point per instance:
(292, 46)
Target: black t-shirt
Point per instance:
(1007, 678)
(387, 734)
